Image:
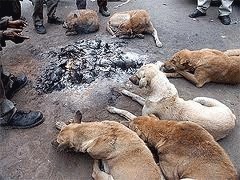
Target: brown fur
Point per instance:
(123, 153)
(131, 24)
(206, 65)
(185, 149)
(81, 21)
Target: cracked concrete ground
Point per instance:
(28, 154)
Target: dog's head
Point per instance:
(73, 134)
(145, 74)
(179, 61)
(142, 125)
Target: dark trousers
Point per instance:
(10, 8)
(81, 4)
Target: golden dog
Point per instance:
(131, 24)
(185, 149)
(123, 153)
(206, 65)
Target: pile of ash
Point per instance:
(83, 62)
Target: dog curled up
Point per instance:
(205, 65)
(123, 154)
(164, 102)
(131, 24)
(81, 21)
(185, 149)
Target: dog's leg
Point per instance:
(173, 75)
(110, 30)
(98, 174)
(153, 31)
(60, 125)
(134, 97)
(127, 115)
(192, 78)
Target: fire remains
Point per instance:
(82, 62)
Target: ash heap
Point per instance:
(82, 62)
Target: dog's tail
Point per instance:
(232, 52)
(210, 102)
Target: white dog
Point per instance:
(165, 103)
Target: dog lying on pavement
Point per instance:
(81, 21)
(123, 153)
(185, 149)
(206, 65)
(131, 24)
(164, 102)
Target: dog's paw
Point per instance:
(159, 44)
(111, 109)
(60, 125)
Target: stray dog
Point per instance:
(131, 24)
(206, 65)
(164, 102)
(185, 149)
(81, 21)
(123, 153)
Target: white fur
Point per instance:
(164, 102)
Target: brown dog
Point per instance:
(123, 153)
(185, 149)
(131, 24)
(206, 65)
(81, 21)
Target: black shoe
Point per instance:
(40, 29)
(55, 20)
(196, 14)
(226, 20)
(24, 120)
(104, 11)
(18, 83)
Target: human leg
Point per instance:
(202, 6)
(224, 11)
(102, 4)
(51, 11)
(38, 16)
(81, 4)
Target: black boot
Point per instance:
(196, 14)
(226, 20)
(40, 29)
(104, 11)
(24, 120)
(17, 84)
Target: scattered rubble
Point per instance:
(82, 62)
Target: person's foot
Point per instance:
(40, 29)
(104, 11)
(18, 83)
(196, 14)
(226, 20)
(55, 20)
(24, 120)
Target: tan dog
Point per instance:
(206, 65)
(81, 21)
(185, 149)
(131, 24)
(124, 154)
(164, 102)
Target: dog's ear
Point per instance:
(78, 117)
(75, 15)
(143, 82)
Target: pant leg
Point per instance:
(81, 4)
(203, 5)
(7, 108)
(225, 8)
(16, 6)
(38, 12)
(102, 4)
(51, 7)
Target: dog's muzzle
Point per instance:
(134, 79)
(55, 143)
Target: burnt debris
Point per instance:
(83, 62)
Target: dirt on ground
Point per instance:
(28, 154)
